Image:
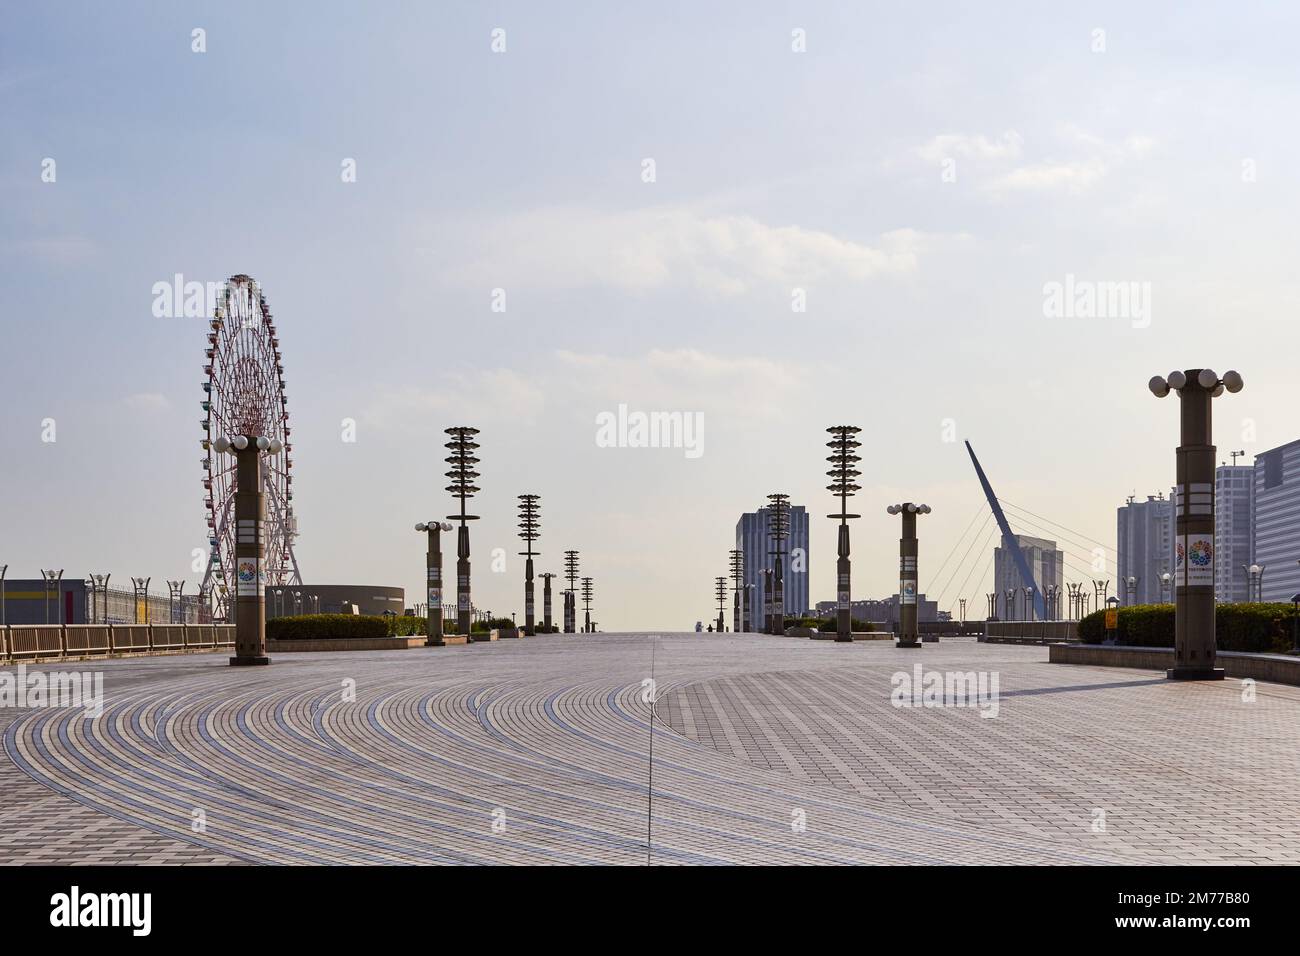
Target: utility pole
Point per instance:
(571, 595)
(462, 474)
(843, 474)
(586, 605)
(739, 613)
(778, 524)
(530, 529)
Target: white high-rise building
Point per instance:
(753, 539)
(1046, 564)
(1234, 522)
(1145, 543)
(1277, 521)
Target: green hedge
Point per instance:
(315, 627)
(1259, 628)
(497, 623)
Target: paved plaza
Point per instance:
(766, 749)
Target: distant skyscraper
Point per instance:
(752, 538)
(1277, 521)
(1234, 523)
(1144, 544)
(1046, 564)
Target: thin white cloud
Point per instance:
(1100, 158)
(645, 249)
(147, 401)
(960, 145)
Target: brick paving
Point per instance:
(536, 751)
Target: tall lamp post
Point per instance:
(530, 529)
(722, 600)
(433, 581)
(176, 601)
(53, 583)
(739, 596)
(1194, 643)
(843, 474)
(462, 488)
(140, 589)
(908, 632)
(250, 572)
(546, 600)
(571, 595)
(1131, 583)
(586, 605)
(1166, 579)
(3, 570)
(778, 526)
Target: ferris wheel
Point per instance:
(244, 395)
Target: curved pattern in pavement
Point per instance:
(528, 752)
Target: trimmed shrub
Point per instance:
(826, 624)
(1256, 627)
(407, 626)
(497, 623)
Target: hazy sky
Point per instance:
(921, 172)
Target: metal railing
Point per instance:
(20, 642)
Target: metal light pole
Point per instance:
(722, 600)
(174, 589)
(571, 595)
(778, 527)
(1100, 589)
(546, 600)
(586, 605)
(530, 529)
(843, 473)
(738, 618)
(140, 590)
(250, 572)
(908, 632)
(462, 488)
(1194, 639)
(53, 582)
(433, 580)
(1166, 579)
(1131, 583)
(992, 598)
(101, 583)
(3, 570)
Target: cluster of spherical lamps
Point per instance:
(1195, 656)
(250, 573)
(908, 631)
